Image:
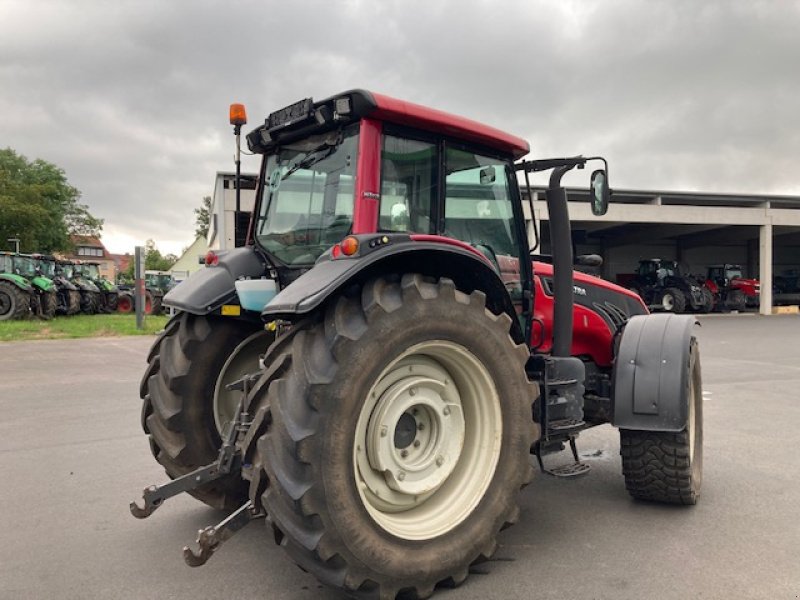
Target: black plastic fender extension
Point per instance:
(211, 287)
(650, 387)
(396, 253)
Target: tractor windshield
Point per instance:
(90, 271)
(307, 201)
(48, 267)
(734, 273)
(68, 270)
(25, 266)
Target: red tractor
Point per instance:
(381, 410)
(730, 289)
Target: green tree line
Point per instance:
(39, 206)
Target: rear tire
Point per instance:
(664, 466)
(178, 398)
(334, 415)
(14, 303)
(673, 300)
(708, 301)
(49, 302)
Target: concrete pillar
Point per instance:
(765, 270)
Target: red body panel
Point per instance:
(425, 237)
(591, 335)
(368, 177)
(415, 115)
(750, 287)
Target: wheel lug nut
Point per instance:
(384, 431)
(446, 411)
(401, 475)
(404, 453)
(439, 460)
(416, 444)
(421, 426)
(412, 392)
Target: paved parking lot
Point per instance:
(72, 456)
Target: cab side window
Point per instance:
(408, 185)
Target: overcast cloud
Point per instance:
(131, 97)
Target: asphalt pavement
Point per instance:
(72, 455)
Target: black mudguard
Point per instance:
(399, 255)
(211, 287)
(651, 375)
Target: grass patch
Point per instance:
(79, 326)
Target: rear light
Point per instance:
(349, 246)
(211, 259)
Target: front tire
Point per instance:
(673, 300)
(665, 466)
(393, 437)
(14, 303)
(185, 365)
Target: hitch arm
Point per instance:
(212, 537)
(228, 460)
(154, 496)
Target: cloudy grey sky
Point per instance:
(130, 98)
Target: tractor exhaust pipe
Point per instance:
(561, 249)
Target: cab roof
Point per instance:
(307, 117)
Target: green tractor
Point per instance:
(157, 283)
(109, 293)
(16, 294)
(68, 298)
(42, 299)
(90, 293)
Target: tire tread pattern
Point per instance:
(287, 418)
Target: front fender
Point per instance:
(211, 287)
(469, 270)
(43, 283)
(17, 280)
(651, 373)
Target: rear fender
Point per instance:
(17, 280)
(211, 287)
(651, 375)
(469, 269)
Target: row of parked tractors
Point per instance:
(43, 286)
(665, 285)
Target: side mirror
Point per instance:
(488, 175)
(600, 193)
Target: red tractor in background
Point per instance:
(382, 408)
(730, 289)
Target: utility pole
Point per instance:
(15, 241)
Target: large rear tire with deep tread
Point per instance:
(177, 390)
(14, 303)
(664, 466)
(48, 304)
(389, 439)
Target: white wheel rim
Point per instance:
(668, 302)
(242, 361)
(428, 440)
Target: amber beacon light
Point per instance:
(238, 114)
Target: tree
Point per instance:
(38, 205)
(203, 217)
(153, 260)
